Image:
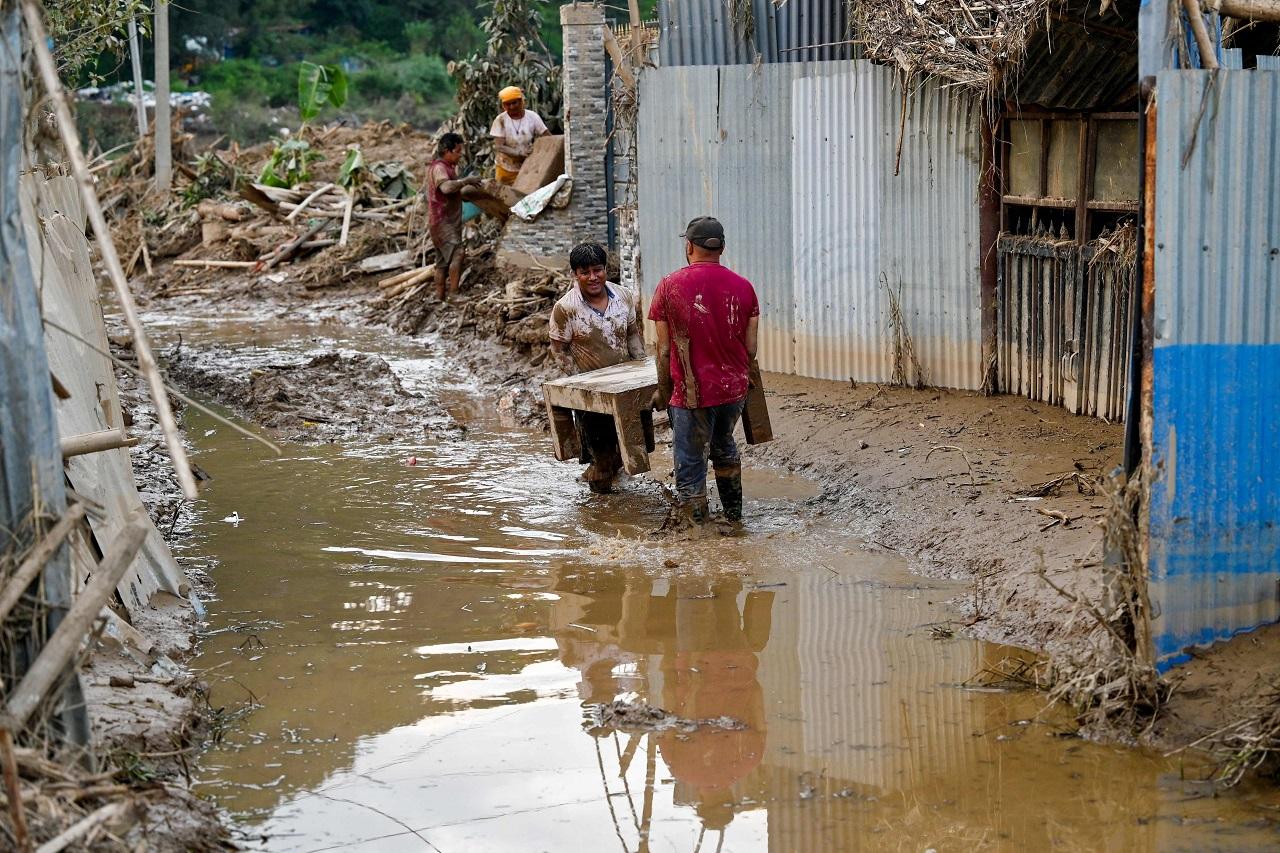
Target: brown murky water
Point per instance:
(423, 639)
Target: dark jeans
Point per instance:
(697, 435)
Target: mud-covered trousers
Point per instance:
(599, 446)
(698, 434)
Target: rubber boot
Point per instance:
(696, 507)
(730, 489)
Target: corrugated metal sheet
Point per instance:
(797, 161)
(31, 476)
(860, 232)
(701, 32)
(1269, 63)
(1215, 498)
(718, 141)
(1082, 58)
(55, 222)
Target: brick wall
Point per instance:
(547, 240)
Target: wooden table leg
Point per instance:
(631, 438)
(564, 433)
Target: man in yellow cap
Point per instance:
(513, 133)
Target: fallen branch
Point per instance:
(306, 201)
(950, 448)
(213, 264)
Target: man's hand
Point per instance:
(659, 402)
(472, 180)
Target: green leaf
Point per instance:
(319, 85)
(353, 164)
(338, 81)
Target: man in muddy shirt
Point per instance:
(706, 317)
(596, 324)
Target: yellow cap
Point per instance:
(510, 94)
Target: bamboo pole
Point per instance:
(16, 584)
(346, 219)
(62, 646)
(1196, 18)
(164, 128)
(107, 247)
(95, 442)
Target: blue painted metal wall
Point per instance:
(1215, 444)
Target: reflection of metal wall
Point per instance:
(1215, 496)
(1063, 325)
(701, 32)
(798, 161)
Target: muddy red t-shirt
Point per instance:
(706, 306)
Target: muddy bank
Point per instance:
(148, 711)
(961, 484)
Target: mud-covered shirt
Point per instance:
(443, 207)
(706, 307)
(598, 338)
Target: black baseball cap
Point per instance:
(705, 231)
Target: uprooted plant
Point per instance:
(1110, 682)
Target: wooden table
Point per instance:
(625, 391)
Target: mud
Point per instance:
(323, 397)
(420, 643)
(943, 478)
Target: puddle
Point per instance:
(423, 641)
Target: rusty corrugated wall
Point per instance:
(1215, 494)
(798, 162)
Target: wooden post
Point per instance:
(106, 246)
(164, 130)
(620, 65)
(62, 646)
(1248, 10)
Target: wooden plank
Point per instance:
(628, 376)
(544, 164)
(755, 414)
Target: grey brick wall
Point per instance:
(547, 240)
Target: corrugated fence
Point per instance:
(1215, 498)
(798, 162)
(703, 32)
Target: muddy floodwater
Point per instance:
(423, 641)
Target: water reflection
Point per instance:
(430, 634)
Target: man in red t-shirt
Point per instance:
(706, 317)
(444, 211)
